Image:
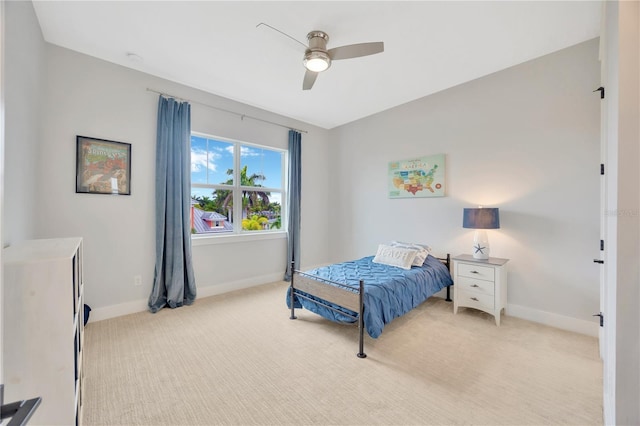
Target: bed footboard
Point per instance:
(333, 292)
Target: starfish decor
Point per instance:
(479, 248)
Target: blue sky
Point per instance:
(211, 158)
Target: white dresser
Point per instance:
(480, 284)
(43, 316)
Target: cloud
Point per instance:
(246, 151)
(202, 161)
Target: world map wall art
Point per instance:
(417, 178)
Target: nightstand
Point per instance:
(480, 284)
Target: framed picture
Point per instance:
(102, 166)
(417, 177)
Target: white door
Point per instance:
(1, 171)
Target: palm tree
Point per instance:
(276, 223)
(250, 198)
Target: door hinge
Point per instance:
(601, 245)
(601, 315)
(601, 89)
(602, 169)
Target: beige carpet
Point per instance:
(237, 359)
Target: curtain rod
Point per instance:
(242, 116)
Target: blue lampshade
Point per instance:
(481, 218)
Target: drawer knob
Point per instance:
(473, 298)
(474, 272)
(475, 285)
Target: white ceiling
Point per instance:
(215, 46)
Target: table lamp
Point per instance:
(481, 219)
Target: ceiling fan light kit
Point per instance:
(316, 61)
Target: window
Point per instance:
(235, 187)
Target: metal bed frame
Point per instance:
(333, 292)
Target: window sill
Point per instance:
(205, 240)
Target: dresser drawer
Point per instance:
(475, 286)
(476, 271)
(475, 300)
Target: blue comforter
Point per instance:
(389, 291)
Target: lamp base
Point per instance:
(480, 245)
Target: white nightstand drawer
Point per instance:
(476, 271)
(475, 286)
(475, 300)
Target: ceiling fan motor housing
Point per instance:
(318, 39)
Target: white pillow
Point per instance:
(421, 256)
(395, 256)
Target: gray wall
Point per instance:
(525, 140)
(24, 71)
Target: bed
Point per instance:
(367, 292)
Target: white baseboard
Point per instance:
(547, 318)
(554, 320)
(212, 290)
(542, 317)
(99, 314)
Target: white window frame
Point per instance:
(238, 233)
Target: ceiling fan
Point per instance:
(317, 57)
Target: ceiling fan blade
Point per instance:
(355, 50)
(304, 46)
(309, 79)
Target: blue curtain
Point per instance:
(293, 202)
(173, 283)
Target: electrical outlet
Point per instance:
(137, 280)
